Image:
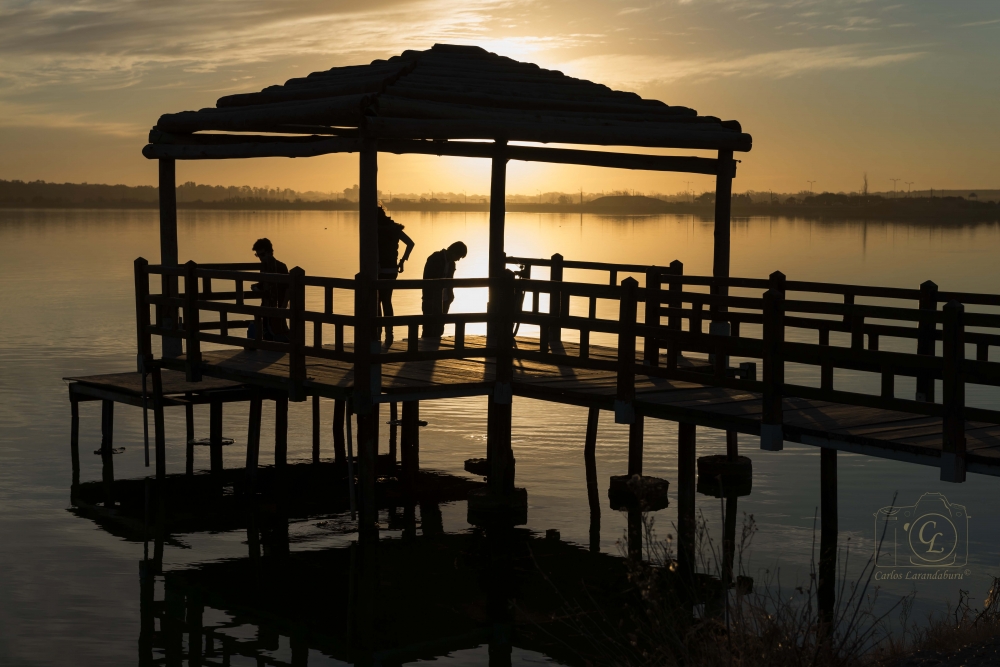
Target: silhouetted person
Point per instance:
(437, 301)
(390, 233)
(273, 295)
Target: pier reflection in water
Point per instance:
(414, 592)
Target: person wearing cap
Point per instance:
(437, 300)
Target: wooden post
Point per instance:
(215, 436)
(500, 413)
(624, 410)
(953, 390)
(771, 430)
(159, 434)
(827, 585)
(675, 322)
(253, 440)
(315, 429)
(107, 445)
(365, 390)
(191, 321)
(651, 350)
(926, 339)
(297, 335)
(556, 300)
(339, 446)
(635, 436)
(410, 455)
(686, 473)
(168, 248)
(723, 207)
(280, 432)
(189, 432)
(74, 438)
(732, 445)
(498, 195)
(590, 461)
(393, 431)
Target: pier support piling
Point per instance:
(74, 439)
(159, 434)
(189, 431)
(686, 473)
(339, 443)
(393, 430)
(410, 445)
(280, 431)
(590, 461)
(315, 429)
(635, 437)
(253, 440)
(107, 446)
(215, 436)
(827, 584)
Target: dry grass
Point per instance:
(697, 621)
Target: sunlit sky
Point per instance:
(829, 89)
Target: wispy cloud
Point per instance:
(643, 70)
(978, 23)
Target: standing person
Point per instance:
(437, 301)
(390, 233)
(273, 295)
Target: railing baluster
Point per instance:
(412, 337)
(191, 320)
(953, 388)
(145, 338)
(555, 298)
(460, 335)
(771, 430)
(983, 352)
(239, 293)
(627, 313)
(297, 335)
(224, 323)
(926, 339)
(675, 322)
(826, 369)
(651, 351)
(338, 337)
(888, 382)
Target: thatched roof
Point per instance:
(459, 92)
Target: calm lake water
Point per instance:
(69, 590)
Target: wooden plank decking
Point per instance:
(871, 431)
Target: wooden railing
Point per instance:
(671, 321)
(664, 296)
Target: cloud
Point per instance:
(638, 70)
(978, 23)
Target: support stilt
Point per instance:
(315, 431)
(686, 472)
(107, 445)
(826, 587)
(189, 427)
(74, 439)
(635, 435)
(732, 445)
(339, 446)
(215, 436)
(393, 418)
(410, 449)
(593, 497)
(280, 431)
(159, 434)
(253, 441)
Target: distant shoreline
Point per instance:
(909, 209)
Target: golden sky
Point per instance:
(829, 89)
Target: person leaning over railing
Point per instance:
(272, 295)
(390, 233)
(437, 301)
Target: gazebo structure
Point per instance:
(448, 100)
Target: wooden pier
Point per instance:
(632, 342)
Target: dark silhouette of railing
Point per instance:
(669, 305)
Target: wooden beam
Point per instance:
(498, 197)
(635, 134)
(723, 208)
(341, 110)
(268, 148)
